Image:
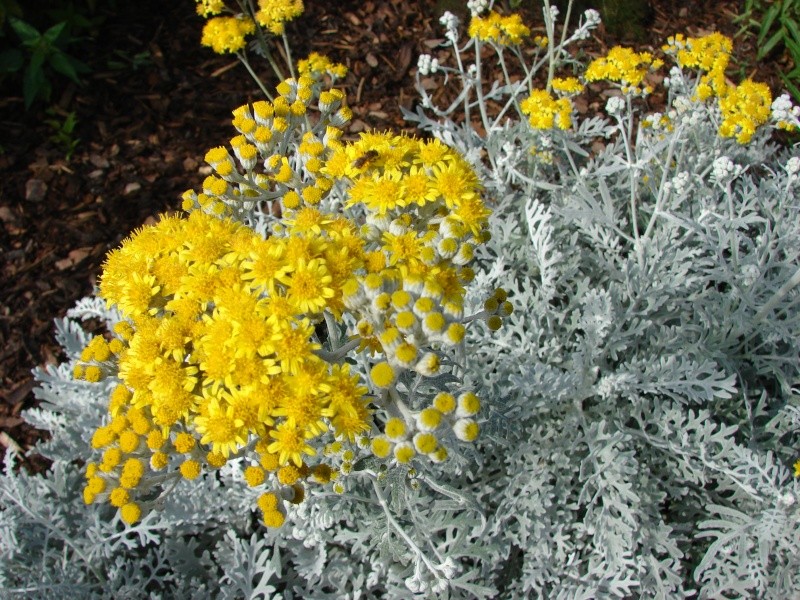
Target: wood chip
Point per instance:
(6, 215)
(101, 162)
(35, 190)
(73, 258)
(132, 187)
(7, 442)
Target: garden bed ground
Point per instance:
(155, 102)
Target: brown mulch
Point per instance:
(144, 129)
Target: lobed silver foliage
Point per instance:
(641, 405)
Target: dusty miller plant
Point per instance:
(640, 415)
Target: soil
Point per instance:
(155, 101)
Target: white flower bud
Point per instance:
(477, 7)
(615, 106)
(724, 170)
(450, 23)
(449, 568)
(413, 584)
(424, 64)
(592, 17)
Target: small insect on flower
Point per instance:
(363, 160)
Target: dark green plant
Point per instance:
(122, 60)
(778, 25)
(38, 57)
(9, 8)
(63, 126)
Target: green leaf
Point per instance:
(791, 87)
(794, 49)
(51, 35)
(27, 33)
(37, 58)
(34, 85)
(770, 44)
(767, 22)
(793, 74)
(793, 30)
(62, 63)
(11, 60)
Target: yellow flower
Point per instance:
(265, 265)
(567, 85)
(454, 182)
(273, 14)
(381, 447)
(501, 30)
(293, 345)
(254, 476)
(290, 443)
(710, 54)
(308, 287)
(382, 375)
(274, 518)
(227, 34)
(304, 410)
(210, 7)
(130, 513)
(138, 294)
(352, 418)
(383, 193)
(744, 108)
(220, 428)
(444, 402)
(190, 469)
(622, 65)
(546, 112)
(119, 497)
(184, 442)
(317, 64)
(132, 472)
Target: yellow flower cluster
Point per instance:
(267, 130)
(545, 112)
(744, 108)
(318, 64)
(404, 438)
(273, 14)
(218, 349)
(227, 34)
(504, 31)
(424, 219)
(623, 66)
(567, 85)
(206, 8)
(220, 355)
(710, 54)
